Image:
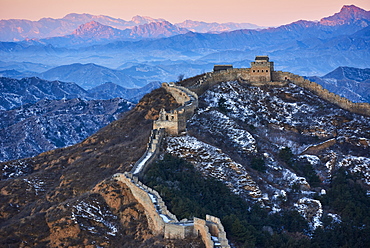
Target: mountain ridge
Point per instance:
(307, 48)
(69, 23)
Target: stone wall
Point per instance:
(160, 220)
(180, 96)
(178, 230)
(188, 106)
(200, 84)
(201, 228)
(155, 222)
(174, 122)
(169, 226)
(217, 229)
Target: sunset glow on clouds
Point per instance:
(261, 12)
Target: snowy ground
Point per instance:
(211, 161)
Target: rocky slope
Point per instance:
(49, 124)
(277, 146)
(65, 196)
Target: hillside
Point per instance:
(48, 124)
(67, 199)
(281, 150)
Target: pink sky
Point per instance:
(260, 12)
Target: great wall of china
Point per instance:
(160, 219)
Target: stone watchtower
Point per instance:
(173, 122)
(261, 69)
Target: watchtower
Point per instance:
(217, 68)
(261, 69)
(173, 122)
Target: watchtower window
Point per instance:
(254, 70)
(262, 70)
(166, 117)
(258, 70)
(267, 70)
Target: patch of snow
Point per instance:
(142, 162)
(85, 212)
(211, 161)
(36, 184)
(312, 159)
(336, 218)
(165, 218)
(153, 198)
(358, 165)
(311, 210)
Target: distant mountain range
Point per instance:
(91, 75)
(77, 24)
(88, 76)
(14, 29)
(49, 124)
(39, 115)
(155, 50)
(15, 93)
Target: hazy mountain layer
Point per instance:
(50, 124)
(91, 75)
(349, 82)
(305, 47)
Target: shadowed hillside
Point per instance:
(62, 197)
